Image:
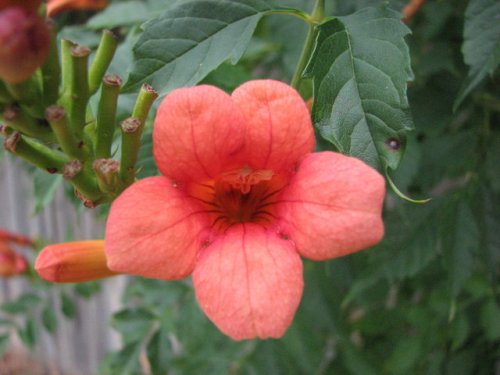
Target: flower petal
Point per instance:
(153, 230)
(197, 134)
(249, 282)
(332, 206)
(279, 130)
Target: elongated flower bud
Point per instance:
(57, 6)
(11, 263)
(72, 262)
(18, 239)
(24, 44)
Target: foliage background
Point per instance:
(425, 300)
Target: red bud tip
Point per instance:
(24, 44)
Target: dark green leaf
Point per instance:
(360, 68)
(490, 320)
(133, 324)
(67, 306)
(28, 333)
(25, 303)
(49, 319)
(461, 240)
(128, 13)
(45, 186)
(405, 355)
(459, 331)
(481, 46)
(193, 38)
(4, 342)
(145, 162)
(87, 290)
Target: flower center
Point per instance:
(239, 196)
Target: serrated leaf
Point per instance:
(360, 68)
(191, 39)
(45, 186)
(481, 46)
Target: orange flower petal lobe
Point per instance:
(198, 133)
(154, 230)
(279, 130)
(249, 282)
(333, 206)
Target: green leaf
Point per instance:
(405, 355)
(145, 162)
(193, 38)
(459, 331)
(133, 324)
(23, 304)
(4, 342)
(49, 319)
(461, 242)
(127, 13)
(481, 46)
(360, 68)
(67, 306)
(490, 320)
(45, 186)
(28, 333)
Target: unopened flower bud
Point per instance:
(24, 43)
(57, 6)
(72, 262)
(11, 263)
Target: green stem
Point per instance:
(317, 16)
(56, 116)
(66, 62)
(106, 171)
(35, 153)
(5, 96)
(106, 113)
(51, 72)
(79, 88)
(16, 118)
(132, 131)
(103, 57)
(82, 179)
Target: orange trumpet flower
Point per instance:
(72, 262)
(57, 6)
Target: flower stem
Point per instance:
(79, 88)
(33, 152)
(66, 46)
(56, 116)
(103, 57)
(51, 72)
(82, 178)
(106, 113)
(16, 118)
(132, 131)
(317, 16)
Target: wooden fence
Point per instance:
(80, 343)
